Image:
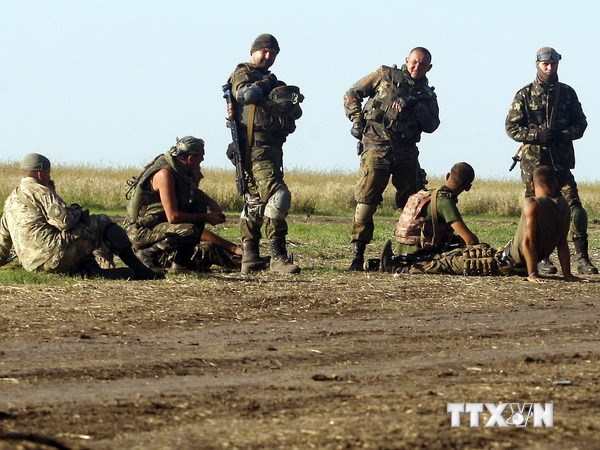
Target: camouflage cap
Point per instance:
(35, 162)
(547, 54)
(264, 41)
(186, 146)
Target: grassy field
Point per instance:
(320, 221)
(314, 193)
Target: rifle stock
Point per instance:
(239, 153)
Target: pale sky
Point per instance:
(113, 82)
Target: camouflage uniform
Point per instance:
(389, 139)
(146, 222)
(553, 218)
(409, 256)
(268, 199)
(529, 114)
(265, 160)
(47, 234)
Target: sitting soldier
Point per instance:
(167, 213)
(430, 223)
(47, 235)
(543, 227)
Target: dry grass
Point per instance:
(325, 193)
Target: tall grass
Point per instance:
(314, 193)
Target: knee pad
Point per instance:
(279, 204)
(253, 208)
(116, 238)
(364, 213)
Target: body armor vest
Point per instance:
(144, 207)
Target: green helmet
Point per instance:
(284, 101)
(35, 162)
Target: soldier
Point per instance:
(543, 227)
(167, 213)
(401, 106)
(431, 223)
(546, 117)
(47, 235)
(264, 129)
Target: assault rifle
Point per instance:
(237, 148)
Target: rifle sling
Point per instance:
(250, 127)
(434, 215)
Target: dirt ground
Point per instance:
(322, 360)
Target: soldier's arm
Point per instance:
(363, 88)
(577, 120)
(461, 229)
(57, 213)
(530, 208)
(164, 183)
(428, 114)
(5, 240)
(516, 125)
(247, 91)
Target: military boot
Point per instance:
(280, 262)
(140, 271)
(386, 262)
(584, 265)
(251, 260)
(546, 267)
(358, 258)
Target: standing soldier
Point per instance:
(266, 110)
(546, 117)
(401, 106)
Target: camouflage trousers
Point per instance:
(474, 260)
(267, 179)
(80, 243)
(568, 189)
(377, 164)
(170, 238)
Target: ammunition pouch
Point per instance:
(480, 260)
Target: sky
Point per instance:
(114, 82)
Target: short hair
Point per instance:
(423, 50)
(545, 176)
(462, 174)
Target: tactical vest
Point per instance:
(380, 114)
(414, 229)
(267, 128)
(145, 208)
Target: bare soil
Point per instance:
(322, 360)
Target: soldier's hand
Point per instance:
(547, 137)
(406, 103)
(358, 128)
(215, 218)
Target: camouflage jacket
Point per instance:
(267, 128)
(533, 109)
(385, 124)
(36, 223)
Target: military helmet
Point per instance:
(186, 146)
(34, 162)
(284, 101)
(264, 41)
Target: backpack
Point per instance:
(410, 228)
